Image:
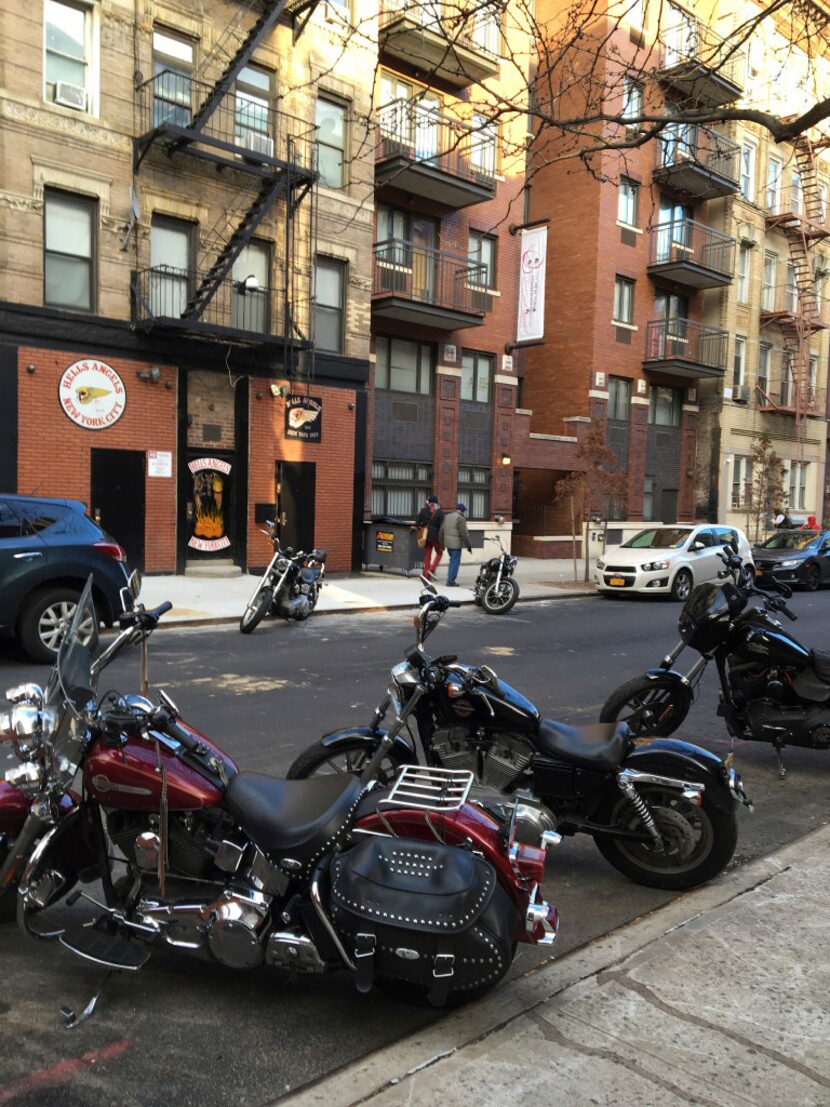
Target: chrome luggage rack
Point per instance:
(433, 791)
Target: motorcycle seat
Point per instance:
(821, 665)
(295, 819)
(600, 746)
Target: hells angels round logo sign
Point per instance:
(92, 394)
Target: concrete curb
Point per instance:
(374, 1074)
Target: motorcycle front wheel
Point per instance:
(499, 598)
(652, 708)
(699, 841)
(257, 609)
(349, 757)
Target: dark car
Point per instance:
(48, 548)
(794, 557)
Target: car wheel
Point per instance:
(44, 621)
(812, 579)
(681, 586)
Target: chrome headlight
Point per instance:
(404, 675)
(25, 693)
(27, 730)
(654, 566)
(600, 563)
(282, 565)
(790, 563)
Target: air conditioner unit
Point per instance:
(71, 96)
(741, 394)
(259, 144)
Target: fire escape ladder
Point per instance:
(806, 164)
(243, 233)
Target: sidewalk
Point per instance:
(719, 998)
(201, 600)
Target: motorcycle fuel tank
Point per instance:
(127, 776)
(504, 706)
(765, 643)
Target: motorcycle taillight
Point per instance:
(530, 862)
(111, 549)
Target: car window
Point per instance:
(726, 534)
(707, 537)
(56, 518)
(789, 540)
(9, 521)
(657, 538)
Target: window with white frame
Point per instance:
(171, 251)
(741, 482)
(636, 13)
(744, 258)
(251, 294)
(329, 303)
(69, 250)
(796, 483)
(483, 145)
(474, 490)
(331, 142)
(764, 363)
(822, 202)
(481, 250)
(796, 193)
(739, 363)
(404, 366)
(487, 31)
(772, 198)
(791, 290)
(623, 300)
(812, 374)
(68, 72)
(476, 375)
(399, 488)
(787, 379)
(628, 195)
(632, 105)
(768, 285)
(172, 78)
(665, 405)
(252, 122)
(748, 155)
(619, 399)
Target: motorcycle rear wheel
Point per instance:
(652, 708)
(700, 840)
(498, 599)
(349, 757)
(256, 610)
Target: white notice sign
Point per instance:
(159, 463)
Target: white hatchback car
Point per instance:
(668, 560)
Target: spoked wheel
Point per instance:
(699, 841)
(499, 598)
(258, 607)
(652, 708)
(681, 585)
(348, 758)
(46, 619)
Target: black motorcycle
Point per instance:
(495, 589)
(662, 813)
(289, 587)
(772, 689)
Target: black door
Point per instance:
(118, 499)
(296, 482)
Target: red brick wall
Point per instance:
(54, 456)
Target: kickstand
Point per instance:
(72, 1020)
(782, 772)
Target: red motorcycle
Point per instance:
(165, 842)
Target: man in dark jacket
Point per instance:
(431, 516)
(455, 537)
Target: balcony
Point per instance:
(432, 156)
(696, 162)
(786, 207)
(237, 134)
(700, 65)
(421, 35)
(692, 254)
(236, 314)
(783, 395)
(685, 349)
(782, 305)
(427, 287)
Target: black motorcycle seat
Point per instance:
(294, 819)
(821, 665)
(600, 746)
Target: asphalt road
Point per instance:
(193, 1033)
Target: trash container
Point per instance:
(390, 543)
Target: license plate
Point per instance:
(617, 582)
(758, 571)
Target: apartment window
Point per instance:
(251, 110)
(636, 13)
(399, 488)
(739, 364)
(773, 190)
(486, 31)
(768, 287)
(483, 145)
(628, 196)
(173, 78)
(482, 251)
(329, 304)
(474, 490)
(251, 292)
(619, 398)
(764, 362)
(796, 193)
(648, 498)
(476, 374)
(664, 406)
(632, 105)
(812, 372)
(787, 379)
(792, 290)
(68, 44)
(331, 142)
(797, 484)
(748, 152)
(623, 300)
(171, 242)
(741, 482)
(404, 366)
(822, 202)
(69, 260)
(744, 256)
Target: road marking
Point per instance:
(63, 1070)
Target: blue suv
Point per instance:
(48, 548)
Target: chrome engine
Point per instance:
(498, 761)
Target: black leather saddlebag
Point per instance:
(424, 914)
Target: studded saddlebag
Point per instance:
(422, 913)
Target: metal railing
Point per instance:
(162, 293)
(168, 102)
(695, 42)
(784, 300)
(680, 143)
(781, 393)
(685, 240)
(686, 340)
(479, 31)
(418, 133)
(790, 198)
(428, 276)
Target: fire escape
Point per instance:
(274, 152)
(803, 224)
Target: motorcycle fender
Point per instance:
(401, 749)
(682, 686)
(684, 761)
(67, 846)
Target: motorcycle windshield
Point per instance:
(77, 649)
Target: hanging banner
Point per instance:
(531, 322)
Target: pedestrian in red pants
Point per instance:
(431, 516)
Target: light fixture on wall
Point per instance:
(506, 459)
(153, 374)
(30, 368)
(283, 390)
